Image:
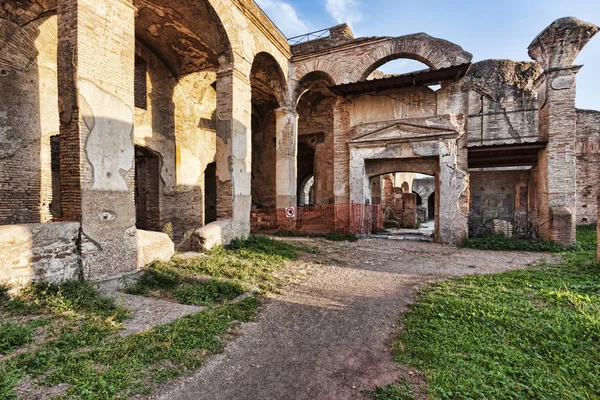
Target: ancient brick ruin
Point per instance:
(121, 117)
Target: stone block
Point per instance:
(153, 246)
(39, 252)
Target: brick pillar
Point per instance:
(341, 154)
(287, 152)
(556, 49)
(558, 125)
(96, 49)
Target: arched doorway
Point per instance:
(314, 106)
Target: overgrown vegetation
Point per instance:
(69, 333)
(82, 349)
(168, 282)
(586, 241)
(531, 334)
(252, 261)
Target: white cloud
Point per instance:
(284, 16)
(344, 11)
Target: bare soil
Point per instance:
(328, 335)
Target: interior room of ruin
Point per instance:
(122, 117)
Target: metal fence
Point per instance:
(349, 218)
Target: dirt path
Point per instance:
(329, 336)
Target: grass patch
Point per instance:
(76, 343)
(398, 391)
(13, 335)
(251, 261)
(585, 241)
(167, 282)
(531, 334)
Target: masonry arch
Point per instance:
(29, 116)
(187, 35)
(268, 95)
(314, 105)
(433, 52)
(180, 47)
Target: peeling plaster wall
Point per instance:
(587, 149)
(28, 118)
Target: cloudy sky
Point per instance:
(488, 29)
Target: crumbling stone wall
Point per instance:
(587, 149)
(502, 102)
(39, 251)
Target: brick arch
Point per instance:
(304, 84)
(433, 52)
(277, 84)
(24, 42)
(333, 69)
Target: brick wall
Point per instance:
(28, 118)
(588, 165)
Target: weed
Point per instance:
(254, 260)
(340, 237)
(398, 391)
(207, 293)
(13, 335)
(586, 241)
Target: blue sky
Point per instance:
(488, 29)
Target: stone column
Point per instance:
(96, 50)
(233, 159)
(556, 49)
(287, 152)
(359, 181)
(341, 161)
(452, 197)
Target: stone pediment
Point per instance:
(417, 129)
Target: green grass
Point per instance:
(13, 335)
(398, 391)
(531, 334)
(586, 241)
(77, 343)
(252, 261)
(53, 334)
(171, 283)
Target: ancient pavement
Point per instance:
(328, 337)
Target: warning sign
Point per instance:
(290, 212)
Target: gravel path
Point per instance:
(329, 336)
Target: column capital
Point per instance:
(234, 73)
(287, 110)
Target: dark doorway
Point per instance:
(55, 205)
(305, 171)
(210, 193)
(431, 206)
(147, 189)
